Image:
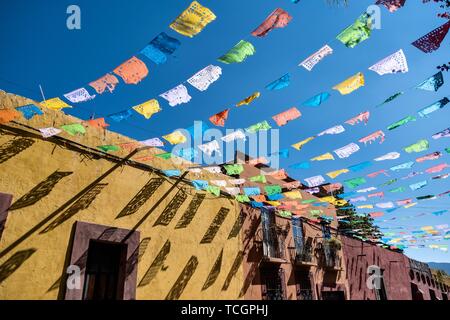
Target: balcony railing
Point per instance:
(303, 255)
(305, 294)
(331, 258)
(274, 243)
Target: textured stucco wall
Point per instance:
(359, 255)
(31, 261)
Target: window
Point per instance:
(272, 283)
(333, 295)
(380, 293)
(273, 238)
(417, 294)
(433, 295)
(5, 202)
(107, 258)
(105, 268)
(303, 285)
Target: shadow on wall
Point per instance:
(141, 197)
(13, 264)
(215, 271)
(183, 279)
(12, 148)
(39, 191)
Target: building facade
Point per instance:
(77, 223)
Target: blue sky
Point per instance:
(39, 49)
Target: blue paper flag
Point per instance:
(172, 173)
(281, 83)
(360, 166)
(302, 165)
(120, 116)
(253, 191)
(316, 100)
(433, 83)
(29, 111)
(200, 184)
(160, 47)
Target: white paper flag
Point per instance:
(210, 147)
(335, 130)
(213, 169)
(316, 57)
(237, 181)
(234, 191)
(79, 95)
(219, 183)
(205, 77)
(315, 181)
(234, 136)
(347, 151)
(177, 95)
(388, 156)
(385, 205)
(395, 63)
(49, 132)
(366, 190)
(154, 142)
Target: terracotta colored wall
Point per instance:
(359, 255)
(253, 256)
(422, 277)
(34, 248)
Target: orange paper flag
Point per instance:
(7, 115)
(132, 71)
(219, 118)
(97, 123)
(284, 117)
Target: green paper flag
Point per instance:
(388, 183)
(165, 156)
(74, 129)
(234, 169)
(402, 122)
(259, 127)
(213, 190)
(356, 182)
(242, 198)
(391, 98)
(447, 150)
(285, 214)
(399, 189)
(108, 148)
(260, 178)
(271, 190)
(419, 146)
(238, 53)
(356, 33)
(308, 201)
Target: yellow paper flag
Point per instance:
(351, 84)
(326, 156)
(335, 174)
(300, 145)
(148, 109)
(175, 138)
(249, 100)
(193, 20)
(55, 104)
(293, 194)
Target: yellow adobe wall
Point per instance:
(35, 277)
